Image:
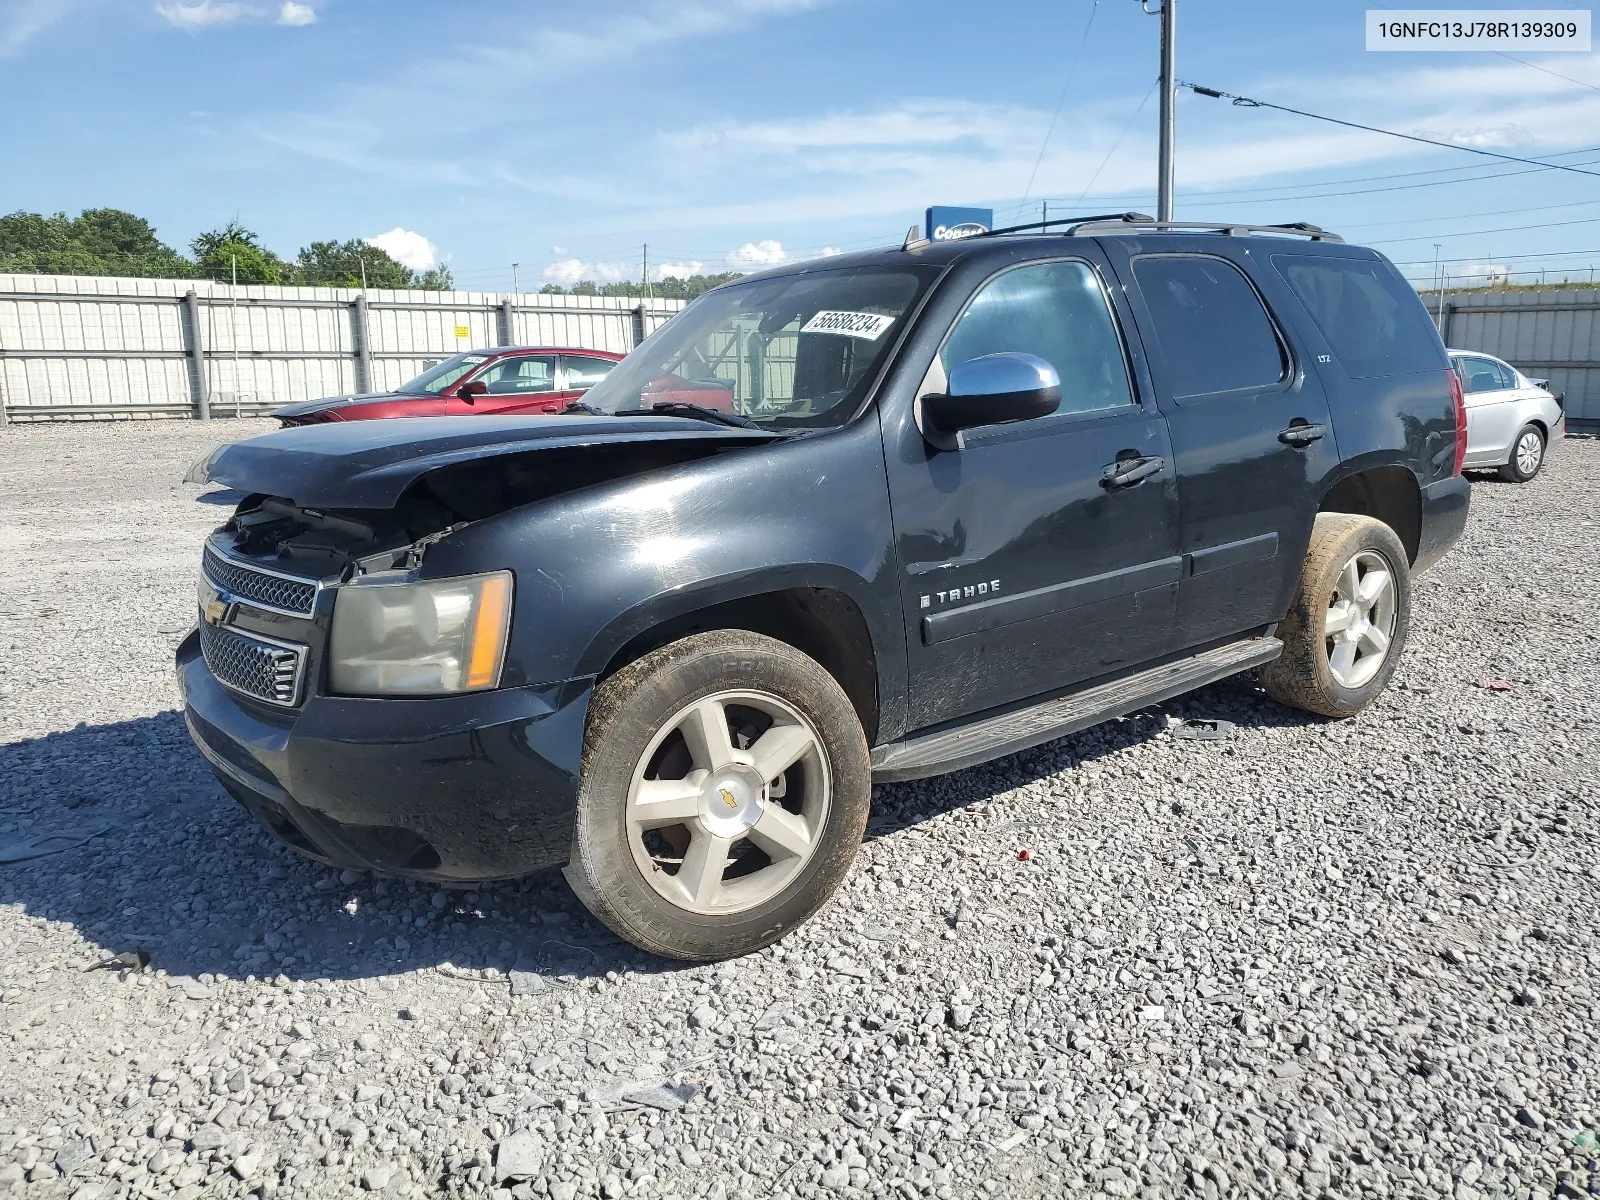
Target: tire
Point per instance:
(1316, 671)
(1527, 456)
(662, 800)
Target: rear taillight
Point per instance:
(1460, 403)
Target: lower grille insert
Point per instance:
(269, 671)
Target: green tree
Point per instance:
(340, 264)
(671, 287)
(434, 279)
(99, 241)
(219, 250)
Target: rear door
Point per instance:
(580, 372)
(1250, 429)
(1024, 567)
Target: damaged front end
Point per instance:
(369, 713)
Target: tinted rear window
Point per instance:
(1214, 334)
(1372, 318)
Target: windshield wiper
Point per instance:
(679, 408)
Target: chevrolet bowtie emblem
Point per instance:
(213, 611)
(728, 798)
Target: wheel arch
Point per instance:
(1386, 492)
(823, 618)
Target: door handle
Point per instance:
(1301, 434)
(1129, 471)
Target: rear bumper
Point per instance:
(454, 789)
(1444, 516)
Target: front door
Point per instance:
(1042, 553)
(1251, 435)
(1489, 389)
(516, 383)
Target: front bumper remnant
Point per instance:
(455, 789)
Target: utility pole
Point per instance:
(644, 271)
(514, 286)
(1044, 213)
(234, 293)
(1439, 282)
(1169, 98)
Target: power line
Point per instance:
(1422, 262)
(1079, 201)
(1504, 212)
(1065, 84)
(1247, 102)
(1422, 237)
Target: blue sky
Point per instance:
(736, 133)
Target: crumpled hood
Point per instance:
(306, 407)
(369, 464)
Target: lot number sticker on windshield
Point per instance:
(851, 324)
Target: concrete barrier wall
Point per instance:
(1544, 332)
(79, 347)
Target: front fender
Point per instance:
(742, 585)
(597, 567)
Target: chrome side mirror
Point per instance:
(995, 389)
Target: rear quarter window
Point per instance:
(1375, 323)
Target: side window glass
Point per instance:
(1508, 378)
(584, 373)
(1213, 333)
(1481, 375)
(514, 376)
(1373, 319)
(1059, 312)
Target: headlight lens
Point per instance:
(420, 639)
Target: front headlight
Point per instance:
(420, 639)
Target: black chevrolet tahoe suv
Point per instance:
(870, 518)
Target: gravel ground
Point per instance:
(1313, 959)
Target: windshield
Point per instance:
(798, 350)
(436, 378)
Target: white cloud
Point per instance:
(1483, 272)
(570, 270)
(558, 249)
(755, 255)
(680, 270)
(22, 20)
(407, 248)
(203, 14)
(206, 13)
(377, 127)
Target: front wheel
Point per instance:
(1347, 624)
(725, 788)
(1527, 455)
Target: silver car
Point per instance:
(1511, 421)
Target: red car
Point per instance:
(501, 379)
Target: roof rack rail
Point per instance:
(1293, 228)
(1133, 222)
(1123, 216)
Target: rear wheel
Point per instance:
(1527, 455)
(1345, 629)
(725, 790)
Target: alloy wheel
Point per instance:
(1359, 624)
(1530, 450)
(728, 802)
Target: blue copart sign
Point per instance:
(948, 224)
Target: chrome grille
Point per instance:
(269, 671)
(280, 593)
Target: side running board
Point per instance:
(988, 737)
